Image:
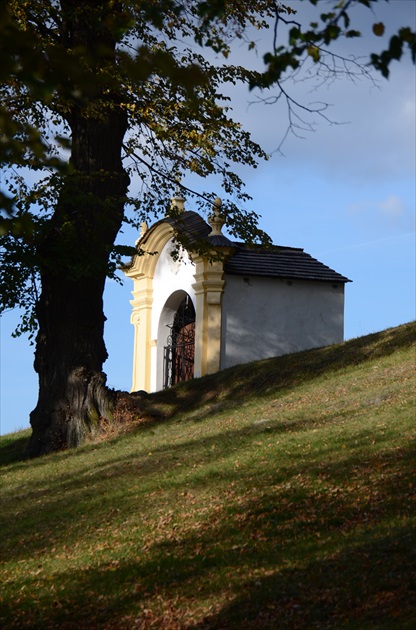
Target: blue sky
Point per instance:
(345, 193)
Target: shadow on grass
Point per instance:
(233, 386)
(274, 537)
(12, 449)
(53, 510)
(229, 389)
(371, 584)
(366, 586)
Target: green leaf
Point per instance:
(346, 17)
(378, 29)
(294, 35)
(353, 33)
(313, 51)
(396, 47)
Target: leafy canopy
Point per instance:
(165, 65)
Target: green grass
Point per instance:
(275, 495)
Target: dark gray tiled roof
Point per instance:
(274, 262)
(280, 262)
(191, 224)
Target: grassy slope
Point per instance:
(275, 495)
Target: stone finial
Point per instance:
(178, 202)
(216, 220)
(143, 229)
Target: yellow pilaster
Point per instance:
(141, 318)
(208, 287)
(142, 271)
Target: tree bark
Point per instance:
(74, 254)
(70, 349)
(69, 356)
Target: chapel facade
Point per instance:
(193, 316)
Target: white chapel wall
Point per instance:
(264, 317)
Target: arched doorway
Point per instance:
(179, 351)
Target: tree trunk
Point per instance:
(70, 349)
(69, 357)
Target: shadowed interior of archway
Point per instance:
(179, 352)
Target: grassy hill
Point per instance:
(280, 494)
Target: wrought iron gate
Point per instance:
(179, 352)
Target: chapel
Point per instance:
(193, 315)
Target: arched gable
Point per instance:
(152, 242)
(156, 276)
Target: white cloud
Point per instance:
(392, 207)
(391, 213)
(376, 140)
